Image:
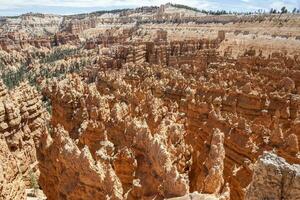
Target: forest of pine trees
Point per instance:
(13, 78)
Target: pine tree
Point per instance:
(294, 10)
(284, 10)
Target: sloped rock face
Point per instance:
(274, 178)
(22, 122)
(16, 41)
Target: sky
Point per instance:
(17, 7)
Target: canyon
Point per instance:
(150, 103)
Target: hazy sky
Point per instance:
(16, 7)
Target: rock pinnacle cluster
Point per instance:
(150, 103)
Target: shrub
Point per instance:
(33, 181)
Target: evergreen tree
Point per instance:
(284, 10)
(294, 10)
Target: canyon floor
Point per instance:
(150, 103)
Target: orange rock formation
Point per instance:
(23, 120)
(150, 103)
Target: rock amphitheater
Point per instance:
(150, 103)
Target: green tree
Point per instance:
(284, 10)
(294, 10)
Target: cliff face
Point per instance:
(32, 24)
(15, 41)
(22, 119)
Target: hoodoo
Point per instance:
(157, 102)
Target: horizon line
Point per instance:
(93, 10)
